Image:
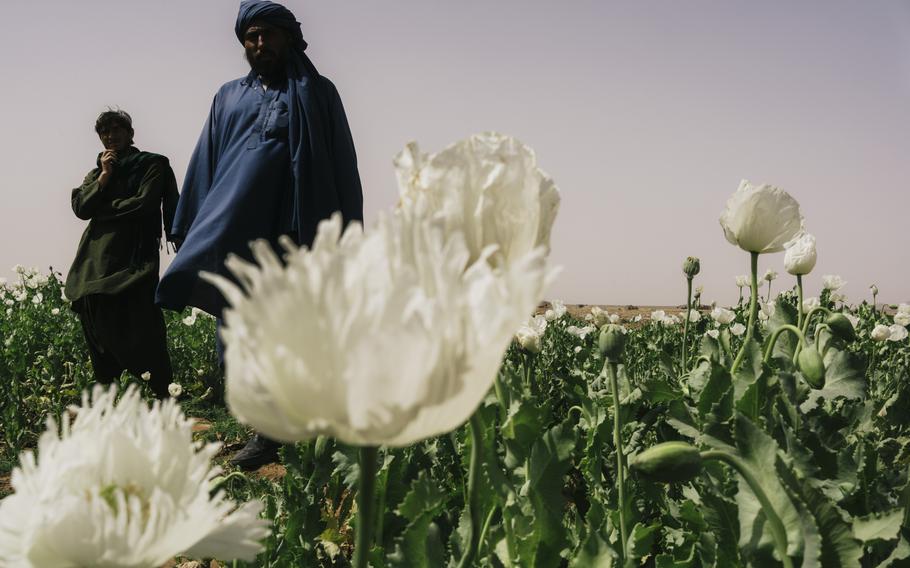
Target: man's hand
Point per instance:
(108, 158)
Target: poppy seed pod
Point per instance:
(841, 327)
(612, 341)
(691, 266)
(812, 367)
(668, 462)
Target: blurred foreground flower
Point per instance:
(489, 187)
(122, 486)
(737, 329)
(378, 339)
(760, 219)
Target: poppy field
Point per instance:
(431, 417)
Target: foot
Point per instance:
(256, 453)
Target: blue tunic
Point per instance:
(268, 162)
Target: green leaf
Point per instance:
(641, 539)
(748, 371)
(723, 519)
(878, 526)
(420, 544)
(759, 452)
(551, 458)
(844, 377)
(899, 557)
(594, 552)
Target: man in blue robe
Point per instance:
(275, 157)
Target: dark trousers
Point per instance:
(126, 331)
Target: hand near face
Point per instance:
(108, 159)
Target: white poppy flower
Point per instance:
(832, 282)
(742, 281)
(55, 311)
(122, 486)
(38, 298)
(810, 303)
(713, 333)
(838, 297)
(873, 289)
(577, 349)
(761, 218)
(531, 333)
(175, 390)
(902, 318)
(379, 339)
(599, 316)
(580, 332)
(898, 332)
(658, 315)
(559, 309)
(489, 187)
(801, 254)
(614, 319)
(722, 316)
(637, 318)
(903, 308)
(770, 275)
(880, 333)
(694, 316)
(550, 315)
(9, 301)
(146, 376)
(737, 329)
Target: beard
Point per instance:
(267, 64)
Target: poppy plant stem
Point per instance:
(365, 496)
(753, 304)
(620, 457)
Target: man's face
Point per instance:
(115, 137)
(266, 48)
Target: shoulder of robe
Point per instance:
(150, 159)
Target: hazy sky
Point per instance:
(647, 114)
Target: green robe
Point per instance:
(120, 246)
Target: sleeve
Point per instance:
(199, 176)
(169, 199)
(87, 198)
(344, 158)
(146, 198)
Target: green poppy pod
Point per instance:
(812, 367)
(669, 462)
(841, 327)
(612, 341)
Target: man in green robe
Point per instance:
(112, 281)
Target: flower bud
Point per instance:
(812, 367)
(841, 327)
(612, 341)
(691, 266)
(668, 462)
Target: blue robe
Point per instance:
(267, 163)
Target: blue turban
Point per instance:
(269, 12)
